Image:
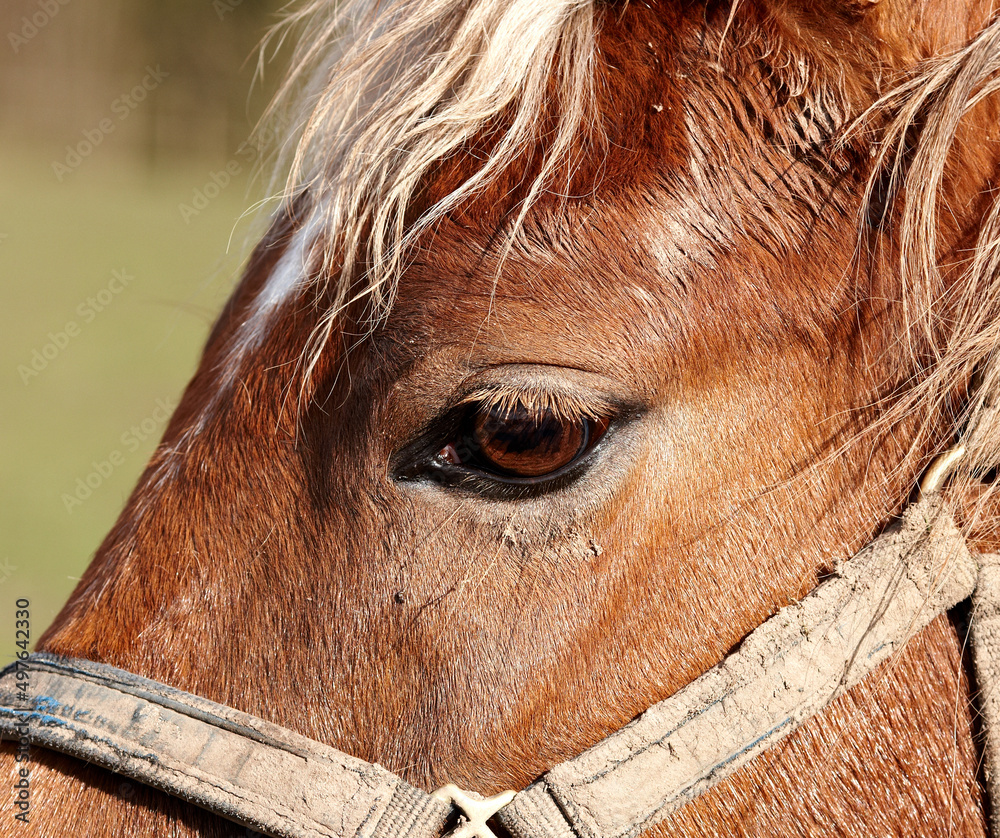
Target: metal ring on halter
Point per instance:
(940, 470)
(477, 810)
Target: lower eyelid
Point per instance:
(478, 482)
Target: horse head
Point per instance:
(588, 335)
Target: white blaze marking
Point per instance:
(289, 274)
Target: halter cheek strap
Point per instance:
(283, 784)
(985, 637)
(783, 673)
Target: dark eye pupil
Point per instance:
(525, 443)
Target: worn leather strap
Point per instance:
(985, 632)
(283, 784)
(248, 770)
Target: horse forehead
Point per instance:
(629, 187)
(632, 244)
(563, 294)
(641, 222)
(614, 252)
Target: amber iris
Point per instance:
(520, 442)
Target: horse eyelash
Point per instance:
(539, 402)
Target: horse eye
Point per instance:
(521, 443)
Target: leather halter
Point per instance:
(283, 784)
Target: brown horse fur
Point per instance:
(705, 278)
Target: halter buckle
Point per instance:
(475, 808)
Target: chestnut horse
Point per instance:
(590, 334)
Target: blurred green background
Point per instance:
(125, 176)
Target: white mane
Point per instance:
(953, 333)
(393, 87)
